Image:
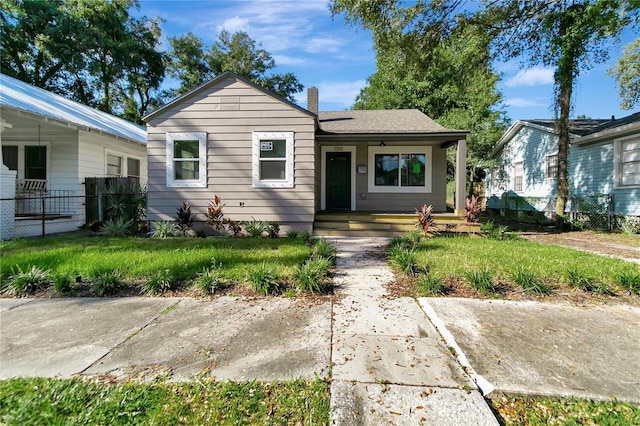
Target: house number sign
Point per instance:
(266, 146)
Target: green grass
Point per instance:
(521, 410)
(450, 257)
(36, 401)
(141, 257)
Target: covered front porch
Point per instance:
(383, 224)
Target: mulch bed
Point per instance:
(405, 286)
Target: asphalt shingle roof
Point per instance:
(576, 127)
(22, 96)
(400, 121)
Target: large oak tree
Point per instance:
(93, 52)
(192, 63)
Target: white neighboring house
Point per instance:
(50, 144)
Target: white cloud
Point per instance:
(535, 76)
(290, 60)
(340, 92)
(334, 95)
(234, 24)
(324, 44)
(523, 103)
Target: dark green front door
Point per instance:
(338, 180)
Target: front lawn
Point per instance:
(462, 266)
(136, 259)
(523, 410)
(36, 401)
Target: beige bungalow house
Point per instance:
(269, 159)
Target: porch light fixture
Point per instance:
(382, 143)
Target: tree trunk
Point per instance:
(564, 101)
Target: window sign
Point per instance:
(266, 146)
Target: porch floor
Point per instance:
(380, 224)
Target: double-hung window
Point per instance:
(114, 165)
(273, 159)
(627, 162)
(518, 176)
(399, 169)
(187, 159)
(551, 166)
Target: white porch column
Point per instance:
(8, 192)
(461, 176)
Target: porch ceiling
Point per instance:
(24, 126)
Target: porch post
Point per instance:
(7, 192)
(461, 176)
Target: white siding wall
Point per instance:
(93, 149)
(229, 112)
(531, 147)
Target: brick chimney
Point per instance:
(312, 99)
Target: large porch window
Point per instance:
(400, 169)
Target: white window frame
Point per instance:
(428, 169)
(546, 166)
(617, 161)
(288, 181)
(124, 166)
(21, 145)
(201, 182)
(106, 163)
(127, 173)
(515, 176)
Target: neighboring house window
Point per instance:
(133, 169)
(518, 177)
(399, 169)
(551, 167)
(273, 159)
(30, 161)
(628, 162)
(187, 160)
(10, 157)
(114, 165)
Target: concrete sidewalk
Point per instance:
(178, 338)
(546, 348)
(390, 366)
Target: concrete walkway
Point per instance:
(390, 366)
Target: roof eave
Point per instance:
(67, 123)
(393, 137)
(612, 133)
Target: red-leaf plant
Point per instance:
(215, 216)
(472, 209)
(425, 220)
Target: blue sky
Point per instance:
(336, 58)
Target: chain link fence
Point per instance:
(588, 211)
(55, 212)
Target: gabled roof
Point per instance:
(401, 121)
(577, 128)
(21, 96)
(217, 79)
(612, 129)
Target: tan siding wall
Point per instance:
(229, 112)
